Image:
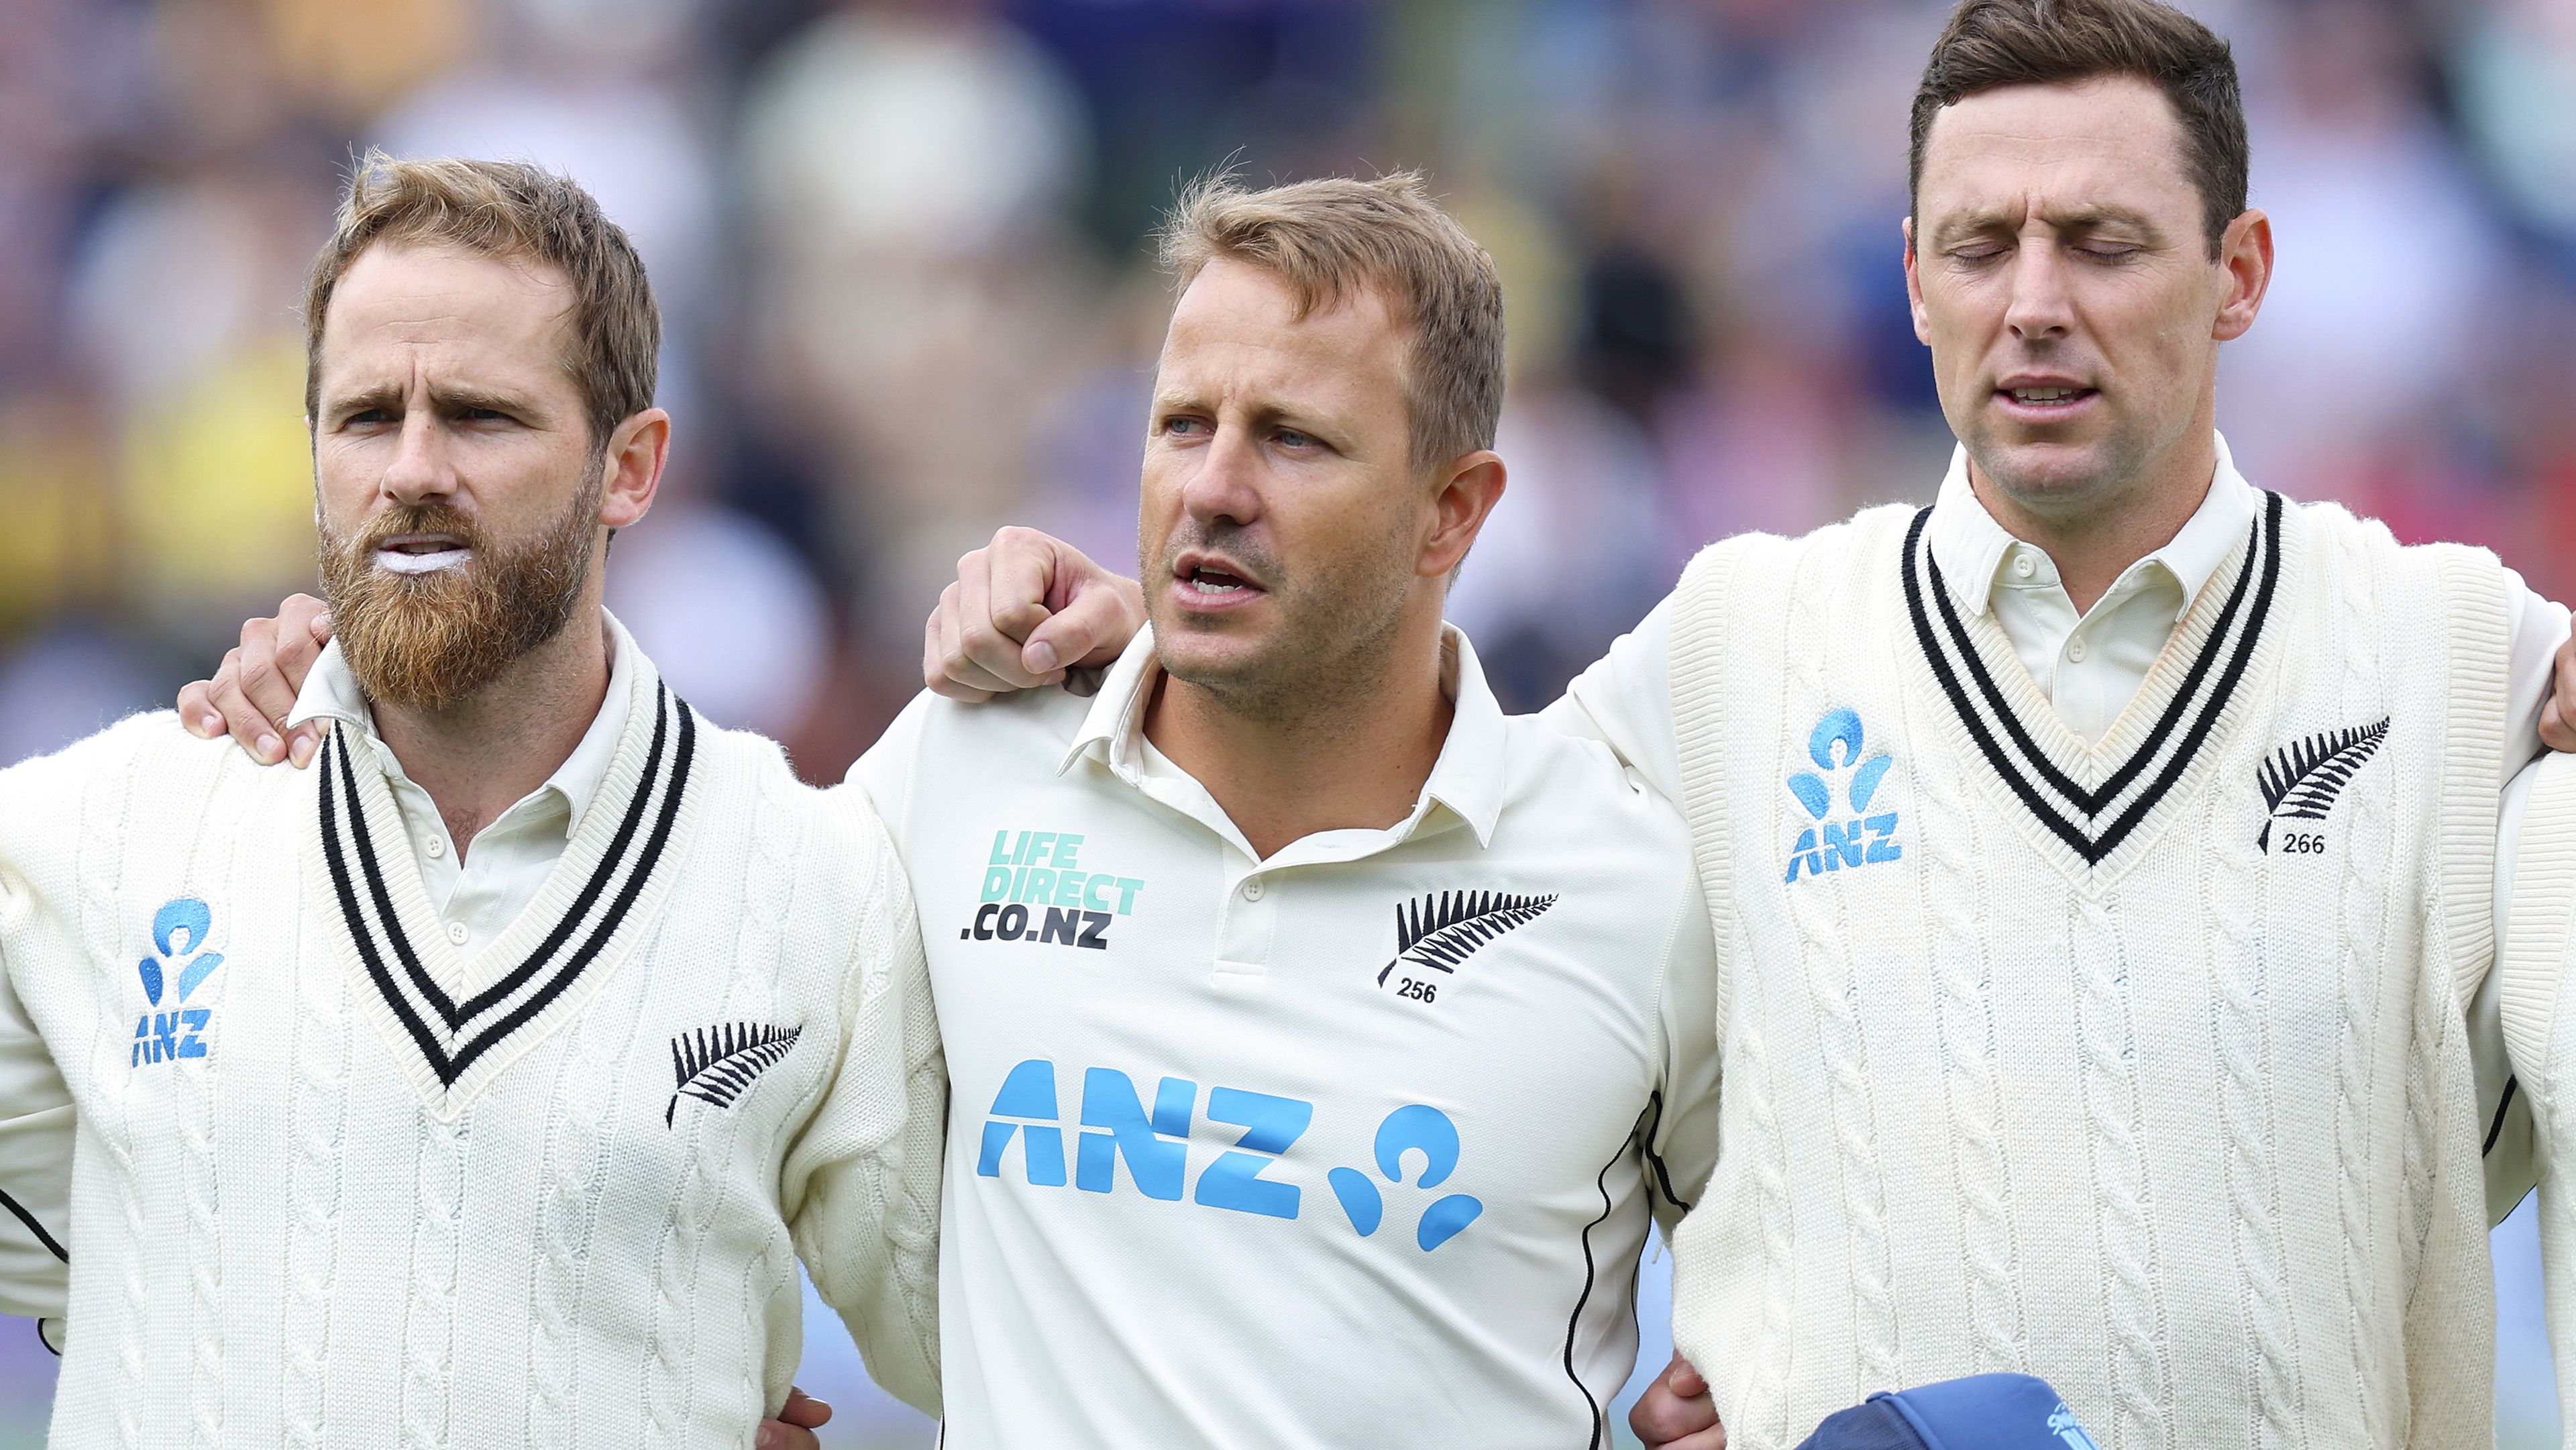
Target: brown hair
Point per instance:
(1993, 43)
(510, 210)
(1329, 236)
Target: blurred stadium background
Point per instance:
(899, 249)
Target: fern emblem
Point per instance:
(714, 1064)
(2302, 779)
(1445, 928)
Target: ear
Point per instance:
(636, 452)
(1914, 288)
(1459, 508)
(2245, 252)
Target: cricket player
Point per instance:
(1321, 1040)
(483, 1084)
(2101, 859)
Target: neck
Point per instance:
(2095, 540)
(1344, 753)
(479, 756)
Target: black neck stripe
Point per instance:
(2019, 766)
(500, 991)
(615, 916)
(356, 921)
(400, 940)
(448, 1067)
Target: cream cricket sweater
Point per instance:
(2139, 1066)
(317, 1199)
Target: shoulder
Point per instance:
(1573, 795)
(1880, 528)
(151, 752)
(2325, 525)
(835, 829)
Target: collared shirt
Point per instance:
(1288, 1150)
(1625, 698)
(507, 862)
(2090, 665)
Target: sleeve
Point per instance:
(35, 1168)
(1681, 1128)
(1626, 700)
(2506, 1145)
(861, 1185)
(2534, 629)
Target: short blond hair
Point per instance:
(511, 210)
(1335, 235)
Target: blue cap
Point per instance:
(1981, 1412)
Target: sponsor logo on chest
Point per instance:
(170, 1028)
(1038, 889)
(1842, 820)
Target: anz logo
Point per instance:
(1830, 840)
(178, 929)
(1154, 1142)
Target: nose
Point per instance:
(2042, 306)
(421, 470)
(1227, 486)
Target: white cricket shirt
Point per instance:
(1355, 1145)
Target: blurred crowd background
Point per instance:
(899, 247)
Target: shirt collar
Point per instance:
(331, 692)
(1467, 779)
(1971, 547)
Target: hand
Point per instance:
(1677, 1413)
(254, 692)
(2558, 712)
(1025, 608)
(794, 1428)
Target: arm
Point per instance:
(2504, 1111)
(860, 1188)
(1681, 1131)
(1626, 700)
(253, 692)
(35, 1166)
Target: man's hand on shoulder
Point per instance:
(2558, 712)
(1677, 1412)
(1025, 608)
(254, 692)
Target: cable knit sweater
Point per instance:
(2540, 1033)
(317, 1199)
(2139, 1066)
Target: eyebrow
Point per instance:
(449, 398)
(2078, 219)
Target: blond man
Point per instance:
(484, 1084)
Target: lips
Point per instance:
(1210, 581)
(2041, 393)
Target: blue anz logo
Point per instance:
(1824, 842)
(2061, 1423)
(178, 928)
(1154, 1141)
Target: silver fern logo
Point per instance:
(715, 1064)
(1443, 929)
(2302, 779)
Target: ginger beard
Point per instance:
(427, 640)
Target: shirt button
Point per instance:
(1252, 889)
(435, 847)
(2075, 649)
(2023, 566)
(456, 932)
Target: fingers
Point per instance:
(1676, 1408)
(2558, 713)
(803, 1409)
(1094, 625)
(197, 710)
(944, 666)
(249, 727)
(1001, 596)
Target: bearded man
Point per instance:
(486, 1081)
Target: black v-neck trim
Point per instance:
(444, 1032)
(2026, 768)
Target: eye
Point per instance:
(368, 417)
(2109, 251)
(1291, 438)
(485, 415)
(1979, 253)
(1184, 426)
